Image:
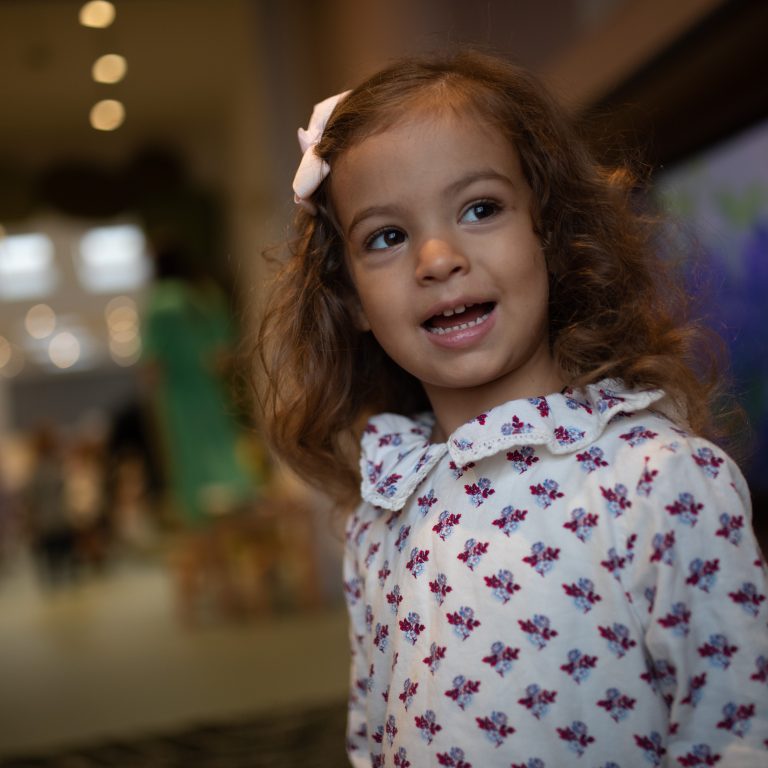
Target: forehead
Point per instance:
(421, 152)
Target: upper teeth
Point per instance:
(461, 326)
(456, 310)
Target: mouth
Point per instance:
(459, 318)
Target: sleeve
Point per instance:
(698, 582)
(357, 728)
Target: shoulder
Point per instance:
(674, 477)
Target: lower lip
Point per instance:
(463, 337)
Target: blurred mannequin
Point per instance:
(187, 338)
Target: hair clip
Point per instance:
(312, 169)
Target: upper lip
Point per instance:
(466, 301)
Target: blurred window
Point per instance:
(112, 259)
(27, 268)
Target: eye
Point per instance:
(385, 238)
(479, 210)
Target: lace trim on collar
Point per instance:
(397, 455)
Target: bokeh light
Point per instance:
(64, 349)
(97, 14)
(40, 321)
(110, 68)
(107, 115)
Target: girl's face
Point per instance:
(450, 276)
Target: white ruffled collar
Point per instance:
(397, 455)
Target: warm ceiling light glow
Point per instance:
(110, 68)
(97, 14)
(107, 115)
(122, 319)
(119, 302)
(40, 321)
(64, 349)
(123, 324)
(125, 353)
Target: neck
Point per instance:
(454, 407)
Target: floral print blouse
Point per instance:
(569, 580)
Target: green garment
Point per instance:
(187, 334)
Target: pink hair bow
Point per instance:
(312, 169)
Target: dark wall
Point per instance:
(711, 83)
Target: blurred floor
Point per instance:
(106, 658)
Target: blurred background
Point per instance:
(168, 595)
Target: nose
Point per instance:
(438, 259)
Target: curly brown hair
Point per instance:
(614, 308)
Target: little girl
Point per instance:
(550, 565)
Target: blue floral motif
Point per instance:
(479, 491)
(568, 435)
(409, 691)
(463, 691)
(581, 523)
(402, 537)
(495, 727)
(463, 622)
(503, 585)
(537, 700)
(592, 459)
(473, 553)
(577, 737)
(608, 399)
(510, 520)
(677, 620)
(394, 598)
(516, 427)
(522, 458)
(709, 463)
(388, 486)
(445, 524)
(579, 665)
(686, 509)
(731, 527)
(381, 638)
(391, 729)
(426, 501)
(652, 747)
(737, 718)
(538, 629)
(618, 637)
(542, 558)
(501, 658)
(638, 435)
(703, 573)
(428, 725)
(616, 499)
(718, 651)
(546, 492)
(583, 594)
(662, 677)
(748, 597)
(617, 704)
(411, 627)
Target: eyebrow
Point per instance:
(483, 174)
(366, 213)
